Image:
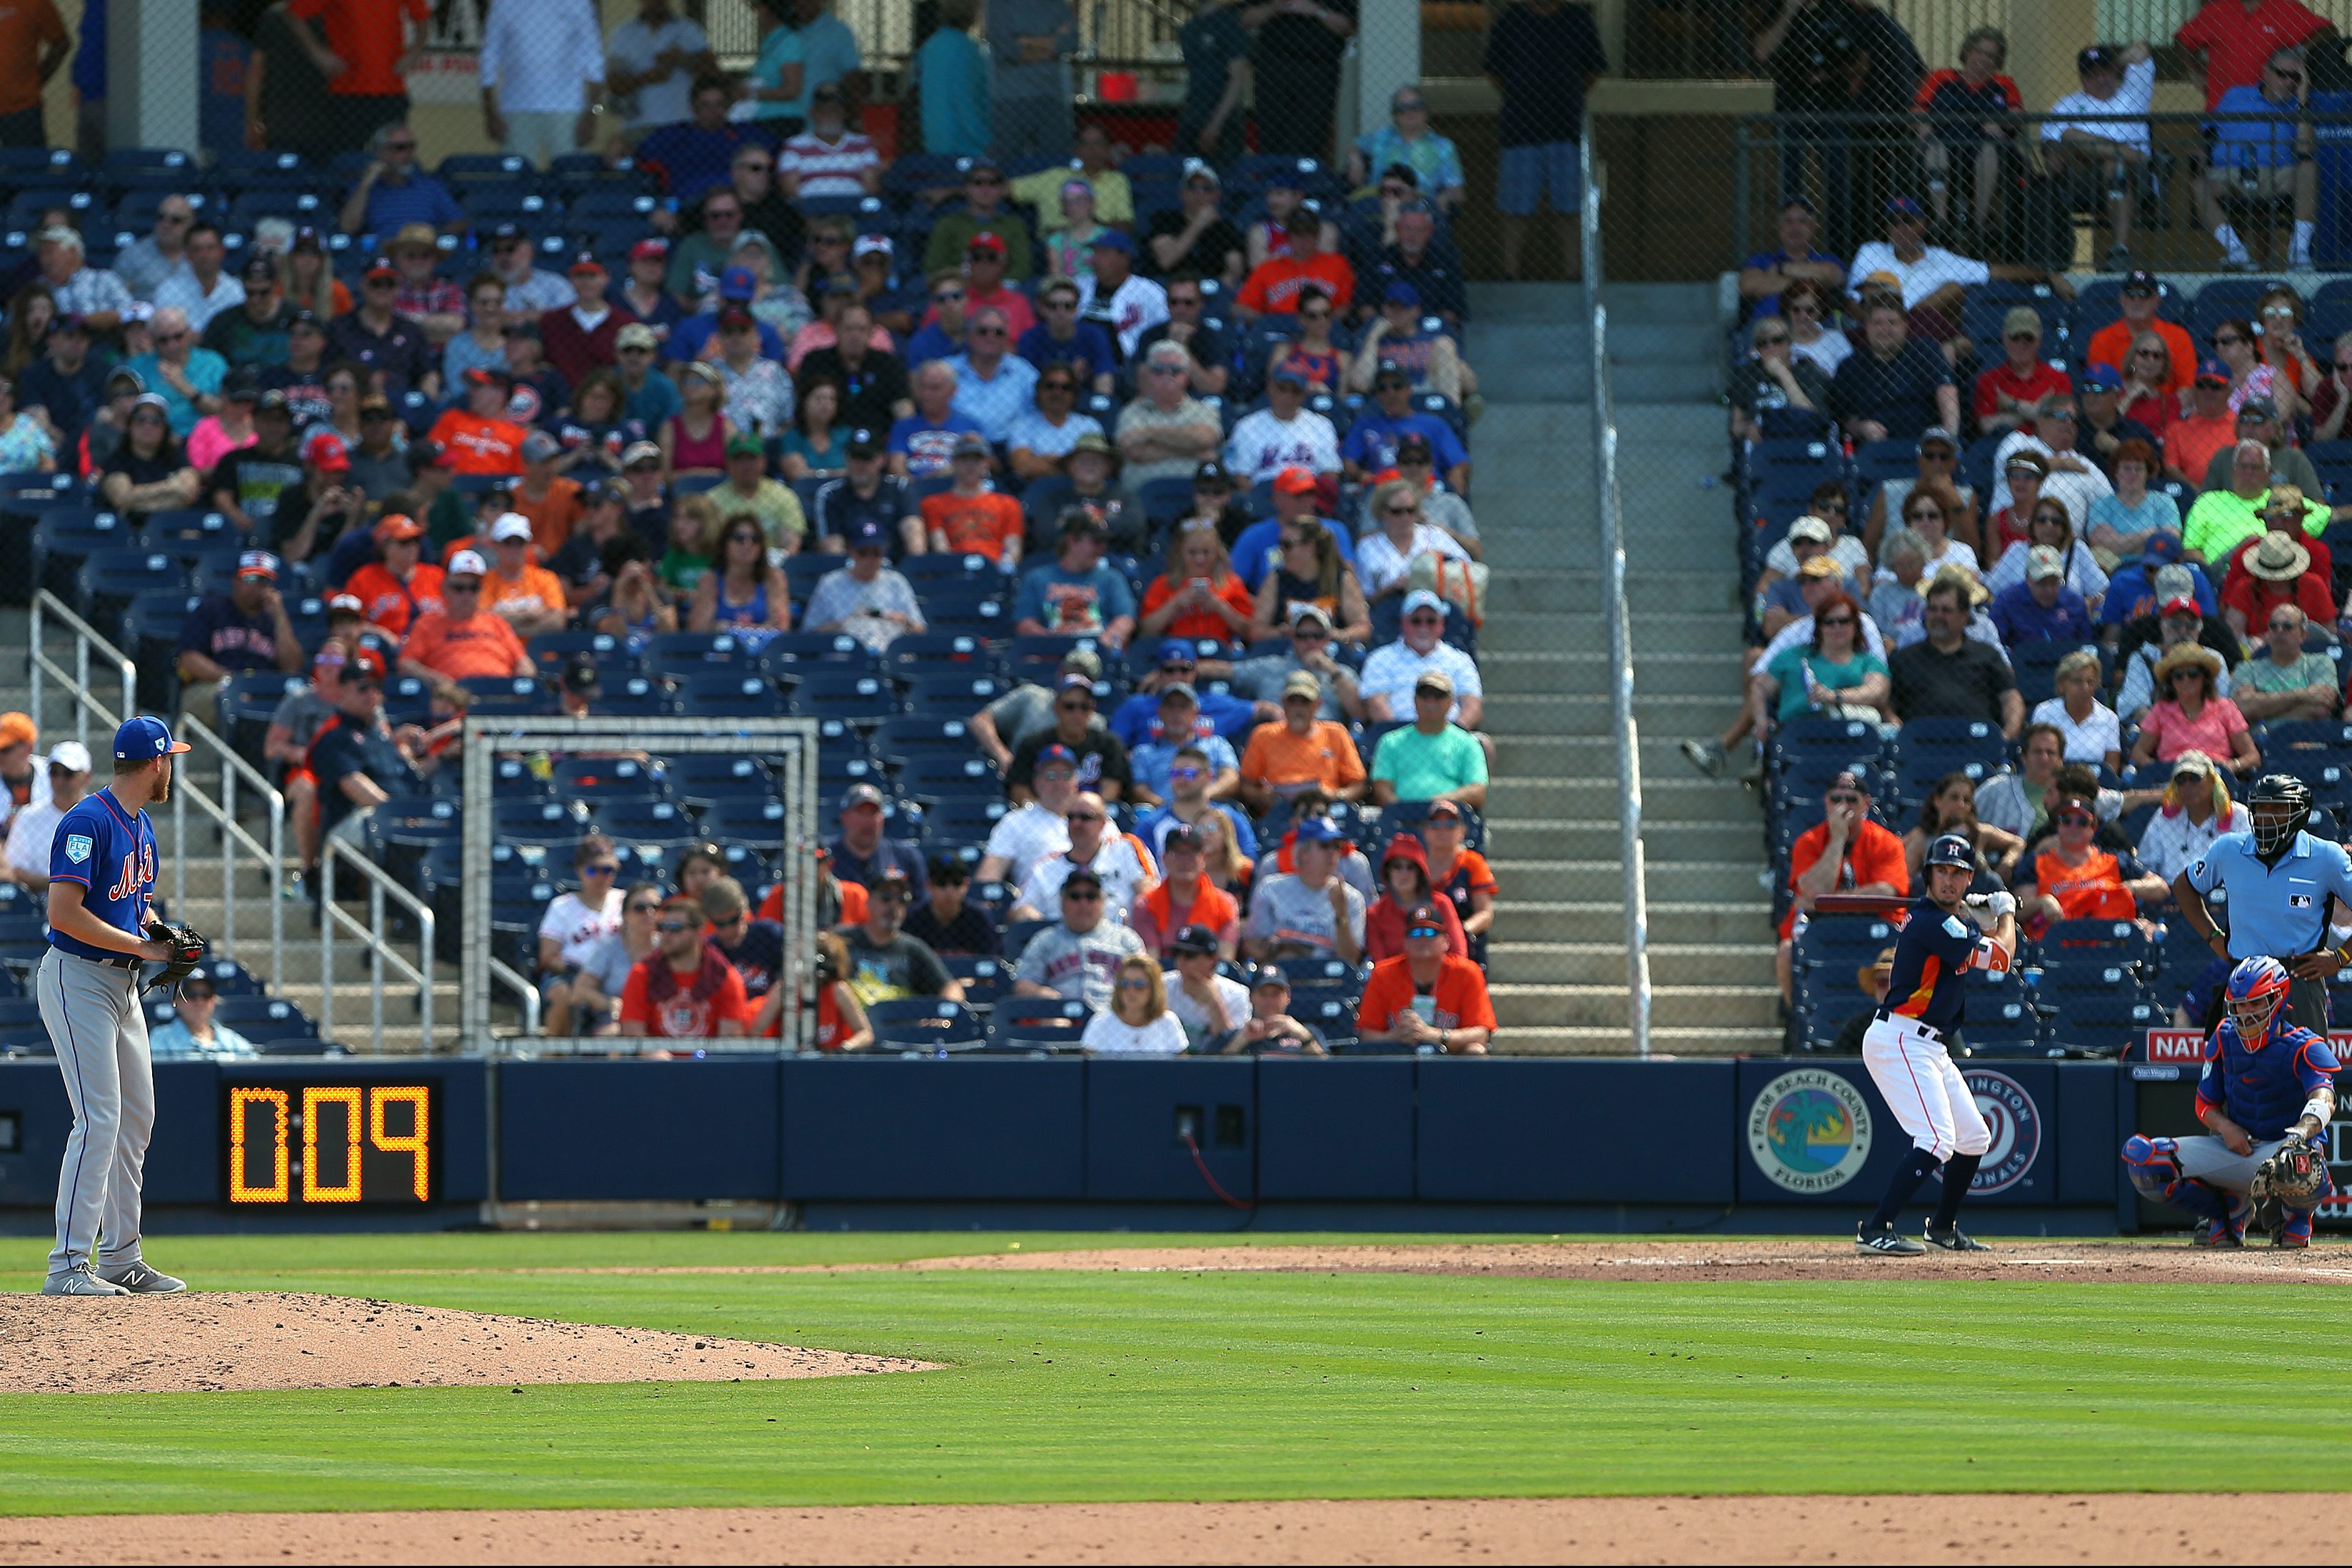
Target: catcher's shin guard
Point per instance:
(2154, 1170)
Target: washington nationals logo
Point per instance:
(2016, 1123)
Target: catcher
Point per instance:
(2267, 1093)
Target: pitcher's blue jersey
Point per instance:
(111, 853)
(2264, 1091)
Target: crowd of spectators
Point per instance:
(1165, 459)
(2094, 591)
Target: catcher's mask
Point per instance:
(2257, 990)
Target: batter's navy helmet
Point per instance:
(1951, 850)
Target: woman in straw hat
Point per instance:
(2187, 717)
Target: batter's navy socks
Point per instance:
(1899, 1188)
(1957, 1171)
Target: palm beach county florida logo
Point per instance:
(1810, 1130)
(2016, 1125)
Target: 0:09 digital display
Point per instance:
(292, 1141)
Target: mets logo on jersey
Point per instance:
(2016, 1124)
(78, 847)
(1809, 1130)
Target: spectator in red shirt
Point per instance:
(360, 57)
(581, 337)
(2019, 390)
(682, 990)
(2228, 42)
(1845, 852)
(1273, 289)
(2274, 570)
(2115, 343)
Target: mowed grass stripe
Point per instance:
(1069, 1387)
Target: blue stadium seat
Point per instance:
(954, 696)
(730, 694)
(853, 697)
(701, 779)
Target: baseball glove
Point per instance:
(187, 947)
(2296, 1175)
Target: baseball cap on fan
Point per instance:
(144, 738)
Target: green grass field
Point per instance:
(1074, 1386)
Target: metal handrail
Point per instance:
(514, 980)
(1614, 606)
(380, 885)
(86, 637)
(224, 814)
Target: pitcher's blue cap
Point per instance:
(144, 738)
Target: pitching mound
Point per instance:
(2005, 1529)
(2106, 1263)
(163, 1344)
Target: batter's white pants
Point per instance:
(91, 1011)
(1916, 1076)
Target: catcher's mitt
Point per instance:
(2296, 1175)
(187, 947)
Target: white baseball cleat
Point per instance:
(79, 1281)
(139, 1279)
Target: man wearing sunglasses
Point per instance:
(187, 378)
(683, 990)
(2286, 682)
(995, 386)
(985, 212)
(360, 761)
(393, 193)
(1845, 852)
(2228, 45)
(1384, 691)
(1123, 872)
(1078, 957)
(1099, 758)
(2076, 880)
(2265, 152)
(389, 346)
(2014, 394)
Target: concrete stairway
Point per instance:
(1558, 959)
(202, 902)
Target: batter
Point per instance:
(2267, 1082)
(102, 878)
(1905, 1046)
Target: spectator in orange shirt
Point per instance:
(1211, 602)
(1185, 899)
(2209, 428)
(682, 990)
(396, 590)
(479, 438)
(1845, 852)
(526, 594)
(1273, 289)
(1301, 753)
(1425, 995)
(2143, 295)
(550, 500)
(464, 640)
(971, 517)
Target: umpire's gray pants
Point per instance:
(91, 1011)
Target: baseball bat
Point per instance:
(1860, 904)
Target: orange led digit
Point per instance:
(413, 1145)
(315, 1190)
(241, 1101)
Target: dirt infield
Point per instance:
(220, 1340)
(2103, 1528)
(2162, 1263)
(1682, 1261)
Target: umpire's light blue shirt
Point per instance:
(2280, 911)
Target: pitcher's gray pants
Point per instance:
(91, 1011)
